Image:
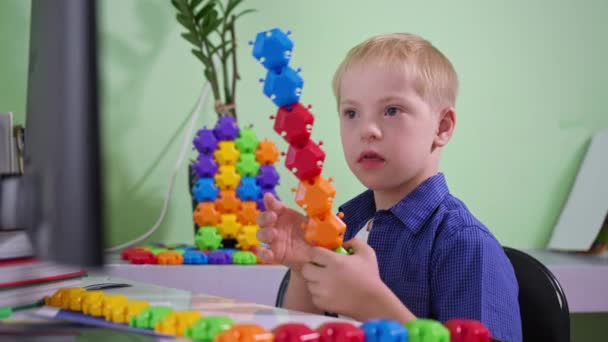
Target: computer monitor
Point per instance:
(61, 187)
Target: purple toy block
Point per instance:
(219, 258)
(205, 141)
(272, 48)
(205, 166)
(267, 177)
(284, 86)
(226, 128)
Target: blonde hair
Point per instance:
(436, 79)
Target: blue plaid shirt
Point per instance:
(439, 259)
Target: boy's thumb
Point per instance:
(271, 203)
(357, 245)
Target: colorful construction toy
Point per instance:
(233, 170)
(120, 310)
(293, 121)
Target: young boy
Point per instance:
(418, 251)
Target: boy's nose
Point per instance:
(370, 131)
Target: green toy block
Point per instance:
(148, 318)
(427, 330)
(208, 239)
(344, 251)
(247, 166)
(244, 258)
(206, 328)
(247, 142)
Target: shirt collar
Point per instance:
(413, 210)
(416, 208)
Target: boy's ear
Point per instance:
(445, 127)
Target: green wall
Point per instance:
(533, 78)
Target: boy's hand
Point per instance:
(343, 283)
(281, 228)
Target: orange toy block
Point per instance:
(267, 152)
(170, 258)
(248, 213)
(205, 214)
(316, 196)
(227, 178)
(229, 227)
(227, 153)
(245, 332)
(327, 231)
(227, 202)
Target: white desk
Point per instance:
(251, 283)
(583, 278)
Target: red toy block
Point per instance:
(316, 196)
(227, 202)
(294, 123)
(340, 332)
(305, 162)
(248, 212)
(126, 254)
(143, 257)
(467, 330)
(327, 231)
(295, 332)
(206, 214)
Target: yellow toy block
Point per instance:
(227, 153)
(227, 178)
(91, 302)
(122, 313)
(58, 298)
(76, 301)
(247, 238)
(229, 226)
(177, 322)
(110, 302)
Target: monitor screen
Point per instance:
(62, 197)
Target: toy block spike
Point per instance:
(341, 215)
(261, 80)
(330, 179)
(299, 70)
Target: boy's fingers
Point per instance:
(358, 246)
(321, 256)
(266, 235)
(267, 219)
(267, 255)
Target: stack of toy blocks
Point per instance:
(293, 121)
(119, 310)
(233, 171)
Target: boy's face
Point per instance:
(387, 129)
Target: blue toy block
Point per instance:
(272, 48)
(248, 190)
(384, 330)
(195, 258)
(205, 190)
(283, 87)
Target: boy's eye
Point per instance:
(350, 114)
(392, 111)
